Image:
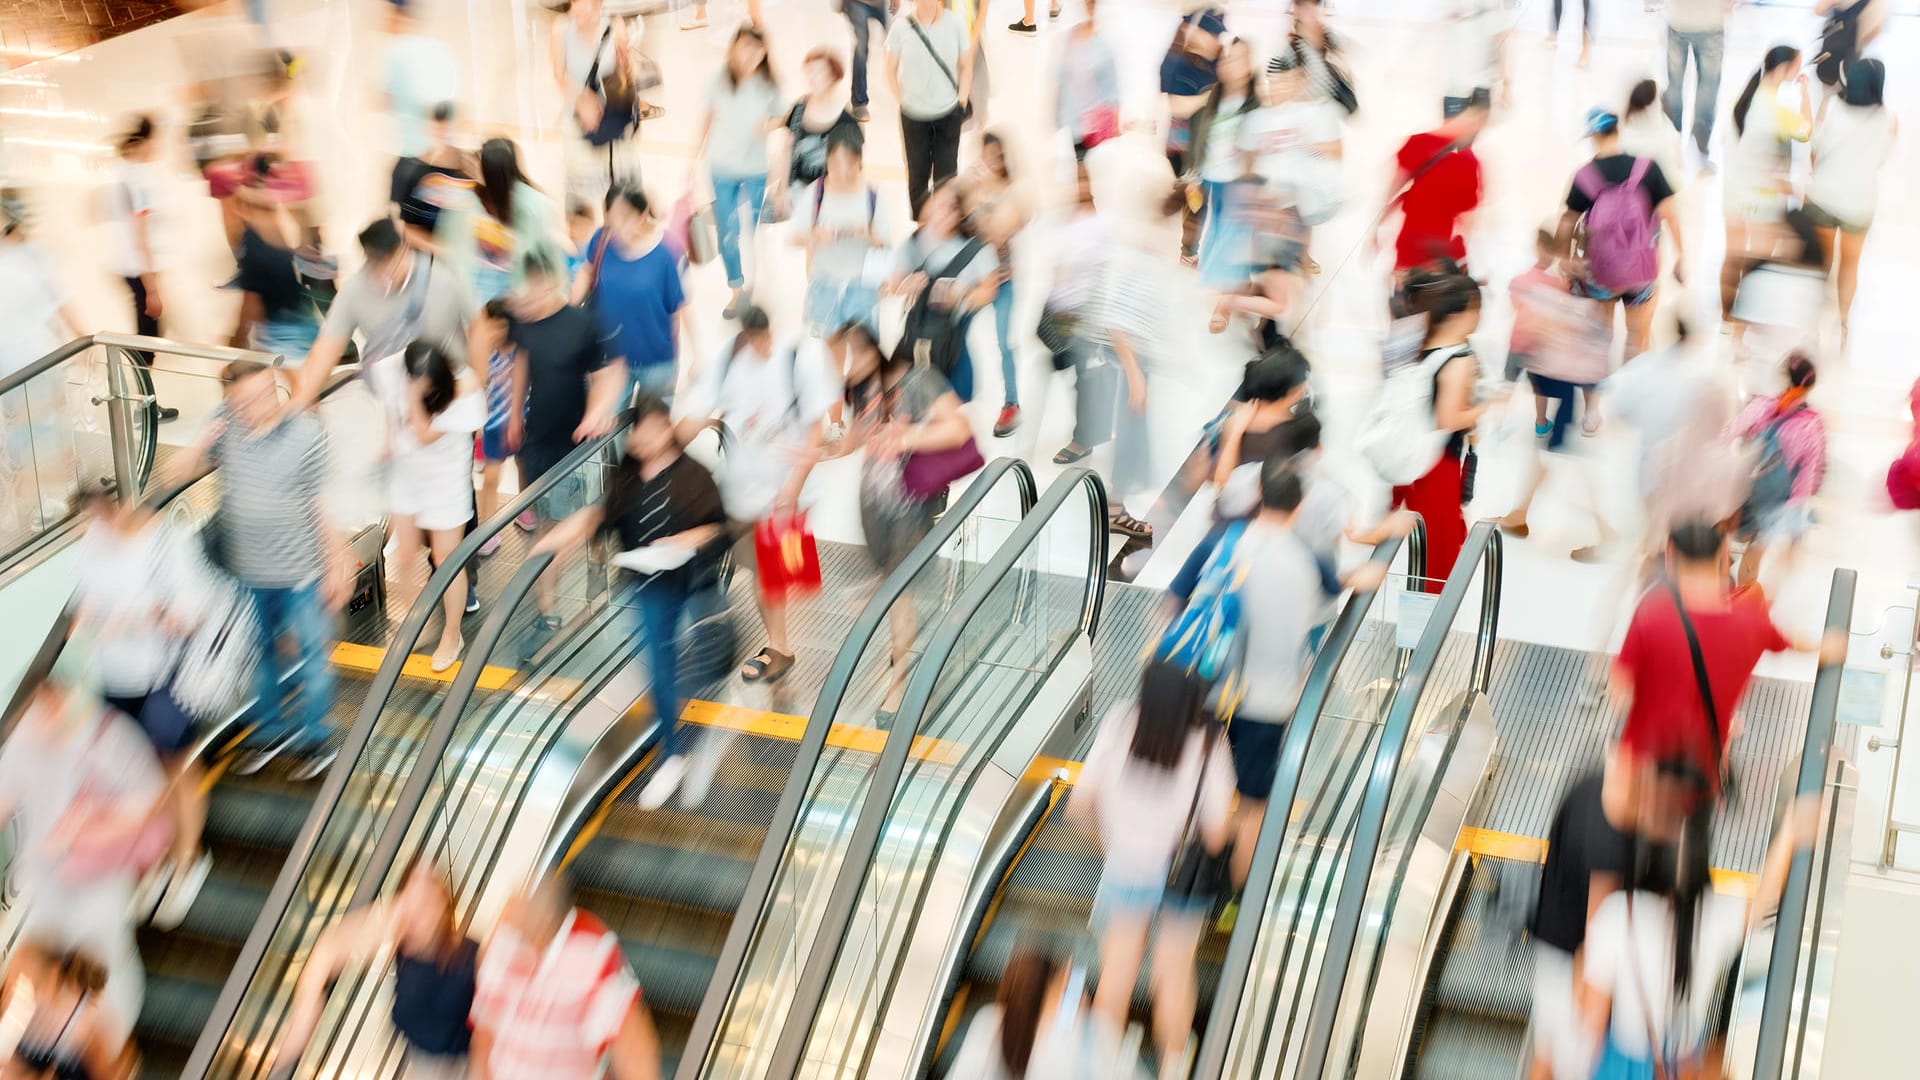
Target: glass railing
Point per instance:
(336, 845)
(995, 647)
(1272, 953)
(1446, 675)
(835, 766)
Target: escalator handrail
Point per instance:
(280, 897)
(1482, 552)
(836, 921)
(1815, 752)
(786, 815)
(1215, 1040)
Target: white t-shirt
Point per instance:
(1649, 134)
(858, 221)
(1141, 808)
(737, 141)
(421, 73)
(129, 195)
(1281, 600)
(770, 404)
(1473, 58)
(1282, 139)
(1691, 16)
(1629, 956)
(926, 93)
(1850, 145)
(1222, 164)
(127, 580)
(31, 295)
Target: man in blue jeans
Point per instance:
(276, 540)
(860, 13)
(1698, 27)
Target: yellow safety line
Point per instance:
(1487, 843)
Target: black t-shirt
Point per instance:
(1616, 169)
(562, 351)
(810, 146)
(1580, 843)
(267, 272)
(680, 497)
(415, 208)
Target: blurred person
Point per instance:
(1256, 427)
(859, 14)
(1476, 52)
(136, 227)
(1086, 103)
(35, 306)
(1787, 441)
(1214, 161)
(1078, 237)
(1313, 46)
(1617, 208)
(1292, 143)
(930, 70)
(438, 177)
(1153, 781)
(631, 282)
(434, 967)
(1645, 132)
(591, 55)
(996, 212)
(582, 222)
(554, 997)
(1781, 300)
(774, 401)
(805, 138)
(1538, 316)
(898, 408)
(141, 592)
(436, 409)
(658, 500)
(277, 314)
(85, 795)
(491, 352)
(1851, 25)
(1851, 144)
(1038, 1025)
(277, 539)
(1128, 323)
(743, 104)
(1188, 73)
(845, 232)
(1586, 29)
(1697, 28)
(1759, 165)
(945, 273)
(1654, 672)
(422, 79)
(568, 388)
(398, 297)
(1437, 188)
(508, 220)
(66, 1037)
(1680, 400)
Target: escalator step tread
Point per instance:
(175, 1009)
(671, 875)
(1461, 1046)
(257, 812)
(1487, 968)
(672, 980)
(224, 911)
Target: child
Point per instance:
(580, 227)
(1549, 325)
(490, 340)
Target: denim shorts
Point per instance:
(1634, 297)
(833, 304)
(1140, 899)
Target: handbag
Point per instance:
(937, 336)
(1469, 474)
(90, 856)
(1057, 331)
(927, 473)
(1198, 874)
(788, 556)
(214, 672)
(1099, 124)
(703, 236)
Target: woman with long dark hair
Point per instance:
(1758, 166)
(743, 105)
(1853, 140)
(1646, 132)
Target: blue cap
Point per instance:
(1601, 122)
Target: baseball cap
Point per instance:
(1601, 122)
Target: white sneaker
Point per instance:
(182, 889)
(150, 891)
(699, 781)
(314, 765)
(666, 780)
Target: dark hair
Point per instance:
(379, 240)
(425, 360)
(579, 208)
(632, 195)
(1645, 92)
(496, 308)
(1280, 486)
(1777, 57)
(829, 57)
(499, 175)
(1800, 371)
(853, 143)
(1863, 83)
(137, 135)
(1274, 374)
(1697, 541)
(441, 113)
(1247, 102)
(538, 263)
(1022, 998)
(753, 320)
(857, 335)
(1680, 872)
(1298, 435)
(447, 934)
(993, 138)
(1440, 292)
(1171, 704)
(647, 405)
(764, 69)
(239, 371)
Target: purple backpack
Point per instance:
(1623, 240)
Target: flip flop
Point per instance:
(766, 666)
(1127, 525)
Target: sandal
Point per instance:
(1127, 525)
(1068, 455)
(766, 666)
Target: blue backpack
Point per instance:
(1772, 475)
(1206, 639)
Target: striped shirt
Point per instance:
(553, 1013)
(1131, 297)
(271, 518)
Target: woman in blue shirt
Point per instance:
(632, 282)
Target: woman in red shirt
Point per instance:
(1437, 188)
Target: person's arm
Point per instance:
(584, 281)
(965, 70)
(1453, 407)
(356, 936)
(944, 428)
(1670, 224)
(253, 311)
(479, 1053)
(1231, 433)
(322, 358)
(517, 402)
(557, 51)
(1797, 833)
(1130, 366)
(893, 68)
(604, 390)
(576, 529)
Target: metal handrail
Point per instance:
(280, 897)
(836, 920)
(217, 353)
(1482, 552)
(1815, 752)
(786, 815)
(1215, 1040)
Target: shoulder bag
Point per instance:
(966, 107)
(1198, 874)
(936, 333)
(1722, 774)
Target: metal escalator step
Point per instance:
(1487, 969)
(224, 911)
(672, 980)
(633, 868)
(175, 1009)
(257, 812)
(1460, 1046)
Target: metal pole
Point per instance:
(120, 423)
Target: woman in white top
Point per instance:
(743, 105)
(1853, 140)
(845, 225)
(430, 480)
(1038, 1026)
(1758, 165)
(1153, 778)
(1646, 132)
(587, 48)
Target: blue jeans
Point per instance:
(1563, 392)
(728, 192)
(655, 379)
(657, 606)
(1707, 47)
(1003, 324)
(859, 14)
(300, 612)
(1132, 457)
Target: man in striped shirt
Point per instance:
(276, 539)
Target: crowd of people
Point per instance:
(501, 325)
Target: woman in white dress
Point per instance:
(1853, 140)
(1758, 167)
(435, 413)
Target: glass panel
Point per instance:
(54, 438)
(1007, 647)
(839, 782)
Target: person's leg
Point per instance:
(946, 147)
(1639, 324)
(452, 603)
(1673, 98)
(188, 792)
(1436, 498)
(727, 193)
(270, 719)
(859, 15)
(1733, 266)
(1174, 983)
(1003, 325)
(487, 499)
(312, 626)
(1553, 28)
(1848, 276)
(1093, 400)
(1123, 946)
(1708, 51)
(916, 141)
(657, 605)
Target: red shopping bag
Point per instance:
(789, 557)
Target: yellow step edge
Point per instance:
(1516, 848)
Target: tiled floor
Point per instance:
(32, 30)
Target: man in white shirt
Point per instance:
(1698, 27)
(930, 68)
